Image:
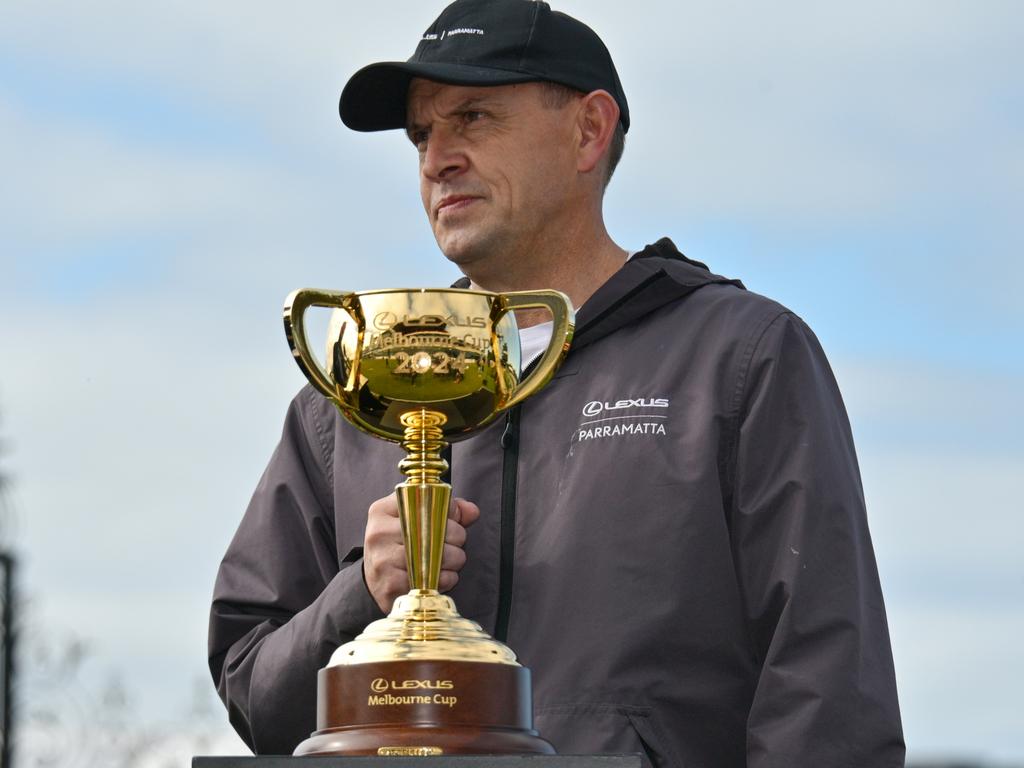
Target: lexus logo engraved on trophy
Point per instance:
(379, 685)
(385, 321)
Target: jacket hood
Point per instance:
(658, 275)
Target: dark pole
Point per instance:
(7, 671)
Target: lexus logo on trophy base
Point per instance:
(424, 367)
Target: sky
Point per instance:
(173, 170)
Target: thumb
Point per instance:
(466, 512)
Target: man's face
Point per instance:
(497, 169)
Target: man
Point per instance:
(671, 535)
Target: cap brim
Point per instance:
(374, 98)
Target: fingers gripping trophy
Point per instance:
(424, 367)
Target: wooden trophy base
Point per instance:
(424, 707)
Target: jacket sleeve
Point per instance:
(826, 695)
(282, 601)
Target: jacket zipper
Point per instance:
(509, 481)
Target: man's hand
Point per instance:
(384, 556)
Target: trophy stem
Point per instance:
(423, 498)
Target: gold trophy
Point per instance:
(424, 367)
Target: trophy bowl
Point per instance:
(454, 351)
(424, 367)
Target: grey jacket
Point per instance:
(673, 538)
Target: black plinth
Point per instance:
(452, 761)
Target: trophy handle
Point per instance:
(295, 307)
(563, 317)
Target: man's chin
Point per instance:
(462, 252)
(478, 252)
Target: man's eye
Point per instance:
(472, 116)
(419, 138)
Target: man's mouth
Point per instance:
(452, 203)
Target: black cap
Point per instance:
(485, 42)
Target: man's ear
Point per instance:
(596, 120)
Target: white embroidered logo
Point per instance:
(595, 407)
(630, 416)
(452, 33)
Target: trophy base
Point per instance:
(424, 707)
(425, 741)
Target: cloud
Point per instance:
(85, 204)
(940, 461)
(939, 458)
(832, 113)
(75, 182)
(934, 408)
(781, 111)
(952, 670)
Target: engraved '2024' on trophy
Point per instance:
(424, 367)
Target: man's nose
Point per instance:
(444, 156)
